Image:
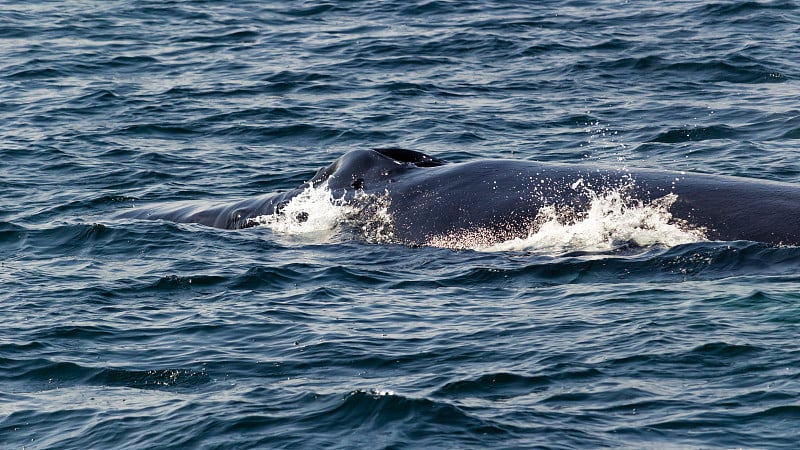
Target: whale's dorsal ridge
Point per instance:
(419, 159)
(502, 199)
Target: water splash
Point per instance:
(316, 210)
(313, 210)
(612, 220)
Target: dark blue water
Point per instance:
(149, 334)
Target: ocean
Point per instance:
(128, 334)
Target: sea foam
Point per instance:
(316, 210)
(611, 221)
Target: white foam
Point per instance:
(312, 210)
(316, 210)
(611, 221)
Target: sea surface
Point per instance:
(133, 334)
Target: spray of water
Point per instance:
(312, 210)
(317, 210)
(612, 220)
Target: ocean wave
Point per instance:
(317, 329)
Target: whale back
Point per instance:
(428, 198)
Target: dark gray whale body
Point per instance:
(500, 199)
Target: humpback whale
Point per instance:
(428, 198)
